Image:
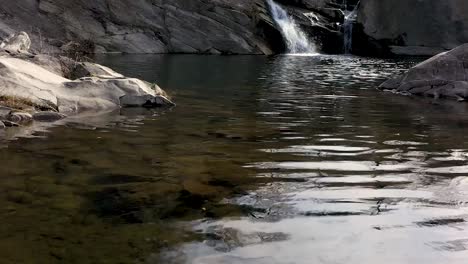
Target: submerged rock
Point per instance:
(8, 123)
(47, 116)
(444, 75)
(45, 88)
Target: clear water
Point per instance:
(265, 160)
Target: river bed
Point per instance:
(285, 159)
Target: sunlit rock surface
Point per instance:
(44, 88)
(23, 79)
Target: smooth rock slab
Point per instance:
(88, 69)
(29, 81)
(442, 76)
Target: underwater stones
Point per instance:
(145, 101)
(444, 75)
(20, 197)
(8, 123)
(47, 116)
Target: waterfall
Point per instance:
(350, 18)
(296, 39)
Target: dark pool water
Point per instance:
(283, 159)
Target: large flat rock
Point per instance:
(444, 75)
(31, 82)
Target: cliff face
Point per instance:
(164, 26)
(410, 27)
(144, 26)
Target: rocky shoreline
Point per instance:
(442, 76)
(48, 88)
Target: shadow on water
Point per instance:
(280, 159)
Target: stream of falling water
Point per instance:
(296, 40)
(350, 18)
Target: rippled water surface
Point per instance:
(282, 159)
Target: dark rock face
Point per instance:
(410, 27)
(321, 21)
(161, 26)
(143, 26)
(443, 76)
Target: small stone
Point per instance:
(48, 116)
(2, 125)
(9, 123)
(20, 117)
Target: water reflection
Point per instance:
(265, 160)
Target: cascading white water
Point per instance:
(296, 40)
(350, 18)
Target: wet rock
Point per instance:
(145, 101)
(4, 112)
(20, 117)
(2, 125)
(442, 76)
(322, 28)
(10, 124)
(48, 116)
(19, 42)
